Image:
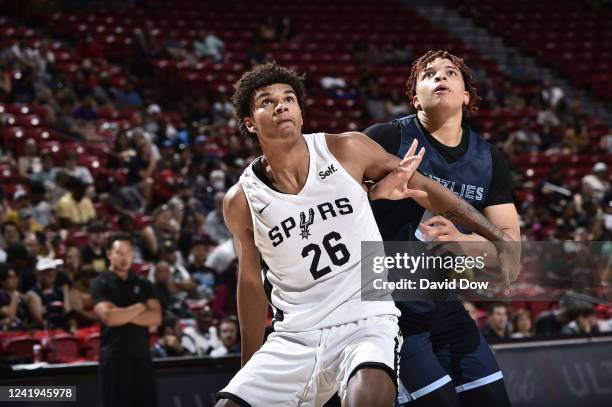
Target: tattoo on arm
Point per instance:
(466, 215)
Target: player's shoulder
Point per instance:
(348, 144)
(385, 129)
(236, 210)
(235, 197)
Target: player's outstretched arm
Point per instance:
(252, 302)
(365, 160)
(442, 201)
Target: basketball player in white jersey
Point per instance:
(301, 210)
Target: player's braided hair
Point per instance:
(260, 77)
(468, 78)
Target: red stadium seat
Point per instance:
(91, 346)
(62, 348)
(20, 347)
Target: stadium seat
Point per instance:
(91, 346)
(62, 348)
(20, 347)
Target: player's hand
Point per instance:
(394, 186)
(509, 258)
(439, 229)
(444, 236)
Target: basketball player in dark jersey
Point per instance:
(445, 360)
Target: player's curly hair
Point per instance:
(466, 72)
(260, 77)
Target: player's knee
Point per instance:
(226, 403)
(372, 388)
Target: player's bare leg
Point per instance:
(226, 403)
(370, 388)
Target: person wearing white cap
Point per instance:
(597, 182)
(46, 302)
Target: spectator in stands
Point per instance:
(164, 227)
(522, 324)
(125, 200)
(396, 106)
(57, 189)
(13, 311)
(202, 275)
(66, 123)
(497, 326)
(584, 323)
(146, 44)
(29, 163)
(6, 85)
(523, 140)
(547, 119)
(286, 29)
(11, 234)
(209, 46)
(129, 97)
(222, 108)
(398, 54)
(46, 175)
(93, 254)
(80, 299)
(267, 31)
(142, 166)
(598, 182)
(24, 264)
(169, 342)
(172, 46)
(87, 110)
(178, 273)
(75, 209)
(552, 95)
(214, 225)
(48, 304)
(22, 210)
(374, 106)
(333, 83)
(229, 334)
(550, 323)
(41, 210)
(172, 303)
(36, 245)
(202, 338)
(606, 143)
(191, 212)
(221, 256)
(73, 265)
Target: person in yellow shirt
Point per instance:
(74, 209)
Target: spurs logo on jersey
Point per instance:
(305, 224)
(325, 210)
(311, 244)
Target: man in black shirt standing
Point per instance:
(445, 360)
(127, 307)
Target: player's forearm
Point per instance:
(252, 313)
(478, 246)
(442, 201)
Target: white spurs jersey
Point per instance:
(311, 244)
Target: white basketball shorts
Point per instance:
(307, 368)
